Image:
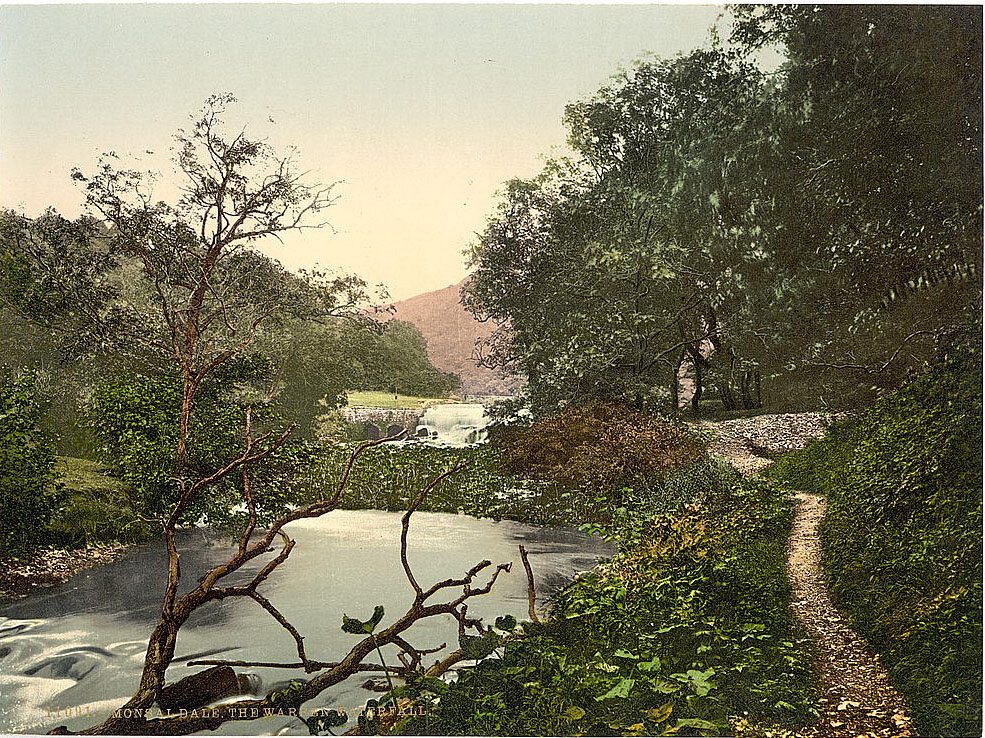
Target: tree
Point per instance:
(211, 295)
(27, 499)
(612, 269)
(880, 219)
(814, 231)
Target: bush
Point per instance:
(601, 445)
(688, 628)
(903, 539)
(27, 497)
(136, 419)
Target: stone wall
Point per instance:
(383, 418)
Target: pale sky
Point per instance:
(423, 110)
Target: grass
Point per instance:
(389, 400)
(95, 507)
(85, 476)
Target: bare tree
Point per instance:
(212, 293)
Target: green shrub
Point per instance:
(686, 629)
(27, 497)
(903, 539)
(136, 419)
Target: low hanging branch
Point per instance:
(870, 369)
(237, 191)
(327, 673)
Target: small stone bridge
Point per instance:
(383, 421)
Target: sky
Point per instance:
(422, 111)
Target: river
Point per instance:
(80, 645)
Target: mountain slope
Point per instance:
(451, 332)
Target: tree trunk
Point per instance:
(759, 388)
(747, 403)
(726, 396)
(698, 384)
(675, 383)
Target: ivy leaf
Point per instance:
(506, 622)
(358, 627)
(478, 647)
(659, 714)
(696, 723)
(574, 712)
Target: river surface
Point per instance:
(80, 645)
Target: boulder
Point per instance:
(203, 688)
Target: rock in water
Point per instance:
(202, 689)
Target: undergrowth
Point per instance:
(902, 538)
(687, 627)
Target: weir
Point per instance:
(460, 424)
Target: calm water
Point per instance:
(81, 644)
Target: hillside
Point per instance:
(451, 332)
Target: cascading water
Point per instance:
(71, 654)
(460, 424)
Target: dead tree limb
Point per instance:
(531, 589)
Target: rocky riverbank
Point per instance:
(50, 566)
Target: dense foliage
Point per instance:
(806, 237)
(71, 300)
(27, 497)
(687, 628)
(903, 536)
(320, 361)
(135, 418)
(600, 445)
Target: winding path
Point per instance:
(857, 699)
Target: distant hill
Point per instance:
(451, 332)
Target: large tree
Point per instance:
(879, 220)
(616, 266)
(806, 236)
(195, 298)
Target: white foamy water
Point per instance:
(79, 647)
(458, 424)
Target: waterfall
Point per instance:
(453, 425)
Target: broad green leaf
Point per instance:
(359, 627)
(620, 691)
(478, 647)
(506, 622)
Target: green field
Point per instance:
(387, 399)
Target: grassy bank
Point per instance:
(390, 400)
(903, 538)
(94, 507)
(687, 628)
